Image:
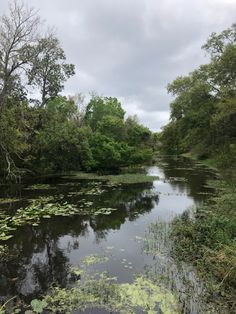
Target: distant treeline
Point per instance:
(203, 113)
(52, 133)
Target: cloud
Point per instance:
(132, 49)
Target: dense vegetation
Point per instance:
(208, 242)
(203, 125)
(203, 113)
(51, 133)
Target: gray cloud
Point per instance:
(132, 49)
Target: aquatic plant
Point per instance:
(38, 306)
(4, 251)
(208, 240)
(95, 290)
(40, 187)
(40, 209)
(9, 200)
(128, 178)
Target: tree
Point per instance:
(49, 70)
(203, 113)
(13, 141)
(222, 69)
(101, 107)
(136, 134)
(59, 144)
(18, 32)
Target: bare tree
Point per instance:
(18, 32)
(79, 100)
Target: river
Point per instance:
(44, 254)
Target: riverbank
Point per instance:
(207, 241)
(209, 162)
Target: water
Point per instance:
(43, 255)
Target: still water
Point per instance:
(43, 255)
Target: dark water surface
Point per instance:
(44, 254)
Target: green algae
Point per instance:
(94, 290)
(100, 291)
(105, 293)
(94, 259)
(147, 296)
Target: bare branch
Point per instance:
(18, 35)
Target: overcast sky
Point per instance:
(132, 49)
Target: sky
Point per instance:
(131, 49)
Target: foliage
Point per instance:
(61, 143)
(38, 306)
(55, 134)
(13, 140)
(108, 153)
(203, 113)
(18, 32)
(100, 108)
(208, 240)
(48, 69)
(116, 142)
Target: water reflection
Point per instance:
(185, 176)
(39, 261)
(43, 255)
(176, 276)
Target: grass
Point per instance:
(209, 241)
(127, 178)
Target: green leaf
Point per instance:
(38, 306)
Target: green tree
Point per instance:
(18, 32)
(59, 143)
(13, 141)
(136, 134)
(203, 113)
(108, 153)
(48, 70)
(100, 107)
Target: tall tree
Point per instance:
(101, 107)
(18, 32)
(203, 113)
(49, 70)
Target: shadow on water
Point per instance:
(37, 259)
(43, 255)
